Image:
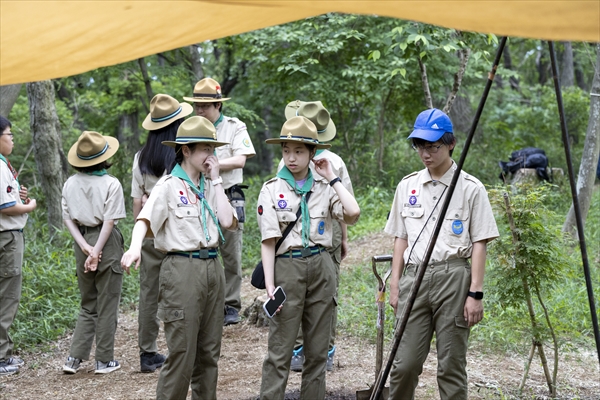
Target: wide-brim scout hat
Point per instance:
(92, 148)
(299, 130)
(317, 114)
(207, 91)
(431, 125)
(195, 130)
(164, 110)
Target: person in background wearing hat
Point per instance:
(92, 204)
(318, 115)
(301, 265)
(208, 103)
(14, 206)
(185, 213)
(449, 300)
(149, 164)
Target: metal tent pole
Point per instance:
(572, 181)
(380, 381)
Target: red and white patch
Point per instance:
(9, 189)
(260, 210)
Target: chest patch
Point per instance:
(412, 200)
(282, 204)
(183, 199)
(321, 227)
(457, 227)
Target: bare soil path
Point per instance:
(243, 349)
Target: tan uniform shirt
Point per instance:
(278, 205)
(469, 217)
(338, 167)
(141, 183)
(9, 196)
(233, 131)
(89, 200)
(173, 213)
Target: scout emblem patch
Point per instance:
(183, 199)
(246, 142)
(260, 210)
(457, 227)
(321, 227)
(9, 189)
(282, 203)
(412, 200)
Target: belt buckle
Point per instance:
(203, 253)
(305, 252)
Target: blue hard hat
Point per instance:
(431, 125)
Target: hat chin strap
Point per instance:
(94, 155)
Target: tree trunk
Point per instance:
(381, 130)
(567, 75)
(196, 63)
(425, 83)
(49, 157)
(129, 133)
(146, 78)
(463, 56)
(589, 158)
(266, 152)
(8, 98)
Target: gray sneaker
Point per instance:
(72, 365)
(297, 359)
(232, 316)
(106, 367)
(6, 369)
(15, 362)
(330, 355)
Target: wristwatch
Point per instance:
(215, 182)
(334, 181)
(475, 295)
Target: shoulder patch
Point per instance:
(409, 175)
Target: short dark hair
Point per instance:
(447, 138)
(4, 123)
(93, 168)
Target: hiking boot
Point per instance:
(297, 359)
(150, 361)
(14, 361)
(231, 316)
(72, 365)
(330, 355)
(106, 367)
(6, 369)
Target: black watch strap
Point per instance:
(334, 181)
(475, 295)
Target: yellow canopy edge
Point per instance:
(50, 39)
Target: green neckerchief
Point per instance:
(217, 122)
(14, 172)
(100, 172)
(319, 152)
(287, 176)
(181, 174)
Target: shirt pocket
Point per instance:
(456, 225)
(413, 221)
(320, 223)
(188, 219)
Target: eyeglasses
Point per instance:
(8, 134)
(429, 149)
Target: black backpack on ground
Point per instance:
(529, 157)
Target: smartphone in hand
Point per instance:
(271, 306)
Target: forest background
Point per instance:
(374, 75)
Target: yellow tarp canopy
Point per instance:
(49, 39)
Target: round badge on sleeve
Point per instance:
(260, 210)
(457, 227)
(321, 227)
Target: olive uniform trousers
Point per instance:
(100, 294)
(148, 322)
(11, 262)
(231, 252)
(190, 303)
(310, 285)
(438, 308)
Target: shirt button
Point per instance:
(283, 218)
(433, 218)
(412, 213)
(456, 215)
(435, 197)
(434, 184)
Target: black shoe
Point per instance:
(231, 316)
(150, 361)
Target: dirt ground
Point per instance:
(491, 376)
